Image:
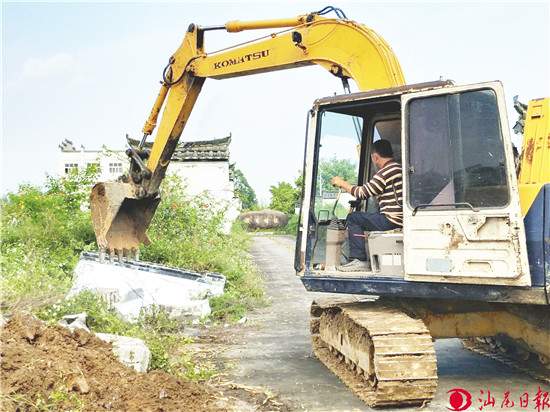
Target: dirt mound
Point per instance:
(50, 368)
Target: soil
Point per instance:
(51, 367)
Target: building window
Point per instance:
(115, 167)
(94, 166)
(70, 167)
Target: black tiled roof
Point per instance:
(67, 146)
(216, 149)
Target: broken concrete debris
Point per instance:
(130, 286)
(77, 321)
(132, 352)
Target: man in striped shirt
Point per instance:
(386, 187)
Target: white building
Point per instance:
(111, 163)
(203, 166)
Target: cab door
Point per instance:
(462, 219)
(306, 222)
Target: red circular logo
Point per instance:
(459, 399)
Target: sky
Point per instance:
(89, 72)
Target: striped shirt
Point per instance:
(387, 186)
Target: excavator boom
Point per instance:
(122, 211)
(468, 262)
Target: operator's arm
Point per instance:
(373, 187)
(337, 181)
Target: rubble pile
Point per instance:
(52, 366)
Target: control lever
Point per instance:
(336, 204)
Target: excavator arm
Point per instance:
(122, 211)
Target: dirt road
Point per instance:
(273, 350)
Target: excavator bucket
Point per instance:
(120, 219)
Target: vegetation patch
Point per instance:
(195, 227)
(286, 197)
(44, 230)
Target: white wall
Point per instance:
(211, 178)
(105, 159)
(208, 177)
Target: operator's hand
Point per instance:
(338, 181)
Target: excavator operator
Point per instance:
(386, 187)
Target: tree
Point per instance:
(344, 168)
(283, 197)
(243, 190)
(299, 184)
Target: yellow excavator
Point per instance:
(473, 258)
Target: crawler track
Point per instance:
(384, 356)
(530, 367)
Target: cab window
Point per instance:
(339, 153)
(456, 151)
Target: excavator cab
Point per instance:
(458, 267)
(461, 266)
(462, 218)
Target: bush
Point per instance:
(283, 198)
(243, 190)
(187, 233)
(43, 233)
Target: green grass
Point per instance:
(59, 399)
(202, 246)
(43, 232)
(160, 332)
